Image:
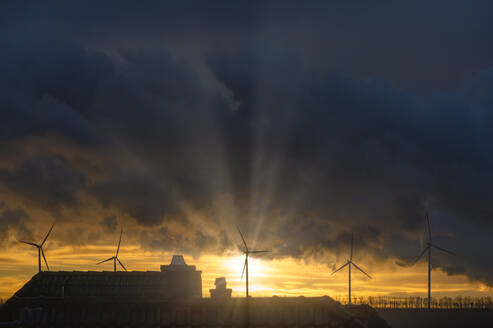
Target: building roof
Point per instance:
(134, 284)
(177, 264)
(178, 260)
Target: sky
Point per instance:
(299, 123)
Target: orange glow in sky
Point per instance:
(284, 277)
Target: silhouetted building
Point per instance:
(220, 292)
(173, 282)
(176, 282)
(178, 265)
(171, 297)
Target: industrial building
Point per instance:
(171, 297)
(64, 293)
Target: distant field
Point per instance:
(411, 318)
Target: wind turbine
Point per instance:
(40, 248)
(429, 246)
(348, 264)
(247, 252)
(115, 258)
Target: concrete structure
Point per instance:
(178, 264)
(220, 292)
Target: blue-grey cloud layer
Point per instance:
(313, 120)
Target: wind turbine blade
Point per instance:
(243, 239)
(44, 240)
(444, 250)
(352, 241)
(342, 267)
(44, 258)
(111, 258)
(121, 264)
(29, 243)
(254, 252)
(357, 267)
(429, 226)
(244, 266)
(119, 241)
(420, 255)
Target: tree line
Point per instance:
(416, 302)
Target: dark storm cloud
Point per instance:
(421, 45)
(44, 85)
(13, 221)
(144, 199)
(305, 122)
(47, 181)
(109, 224)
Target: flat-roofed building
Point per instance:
(67, 290)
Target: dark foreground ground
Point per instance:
(407, 318)
(64, 312)
(159, 299)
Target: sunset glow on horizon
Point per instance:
(284, 277)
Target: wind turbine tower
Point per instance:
(247, 252)
(40, 249)
(349, 263)
(115, 258)
(429, 246)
